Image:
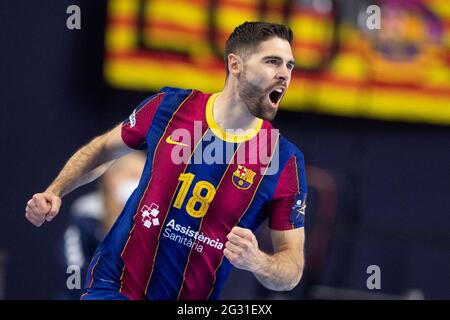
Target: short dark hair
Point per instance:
(246, 37)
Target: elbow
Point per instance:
(293, 277)
(294, 281)
(288, 284)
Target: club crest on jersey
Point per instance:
(243, 177)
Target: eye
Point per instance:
(272, 61)
(290, 66)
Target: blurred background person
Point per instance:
(92, 216)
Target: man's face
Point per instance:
(265, 77)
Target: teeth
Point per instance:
(279, 90)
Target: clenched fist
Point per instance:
(42, 207)
(242, 250)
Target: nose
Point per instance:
(282, 77)
(283, 73)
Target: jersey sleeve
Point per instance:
(136, 126)
(287, 208)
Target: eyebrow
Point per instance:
(278, 58)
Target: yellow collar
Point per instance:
(219, 132)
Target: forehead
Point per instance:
(273, 47)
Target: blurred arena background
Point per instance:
(370, 109)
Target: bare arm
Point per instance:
(86, 165)
(89, 162)
(283, 269)
(280, 271)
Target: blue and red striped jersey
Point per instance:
(197, 184)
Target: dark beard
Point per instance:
(255, 99)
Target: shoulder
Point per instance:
(175, 91)
(166, 99)
(175, 96)
(289, 150)
(286, 148)
(164, 94)
(172, 91)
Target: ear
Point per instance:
(234, 64)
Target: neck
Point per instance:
(230, 112)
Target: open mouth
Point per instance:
(276, 95)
